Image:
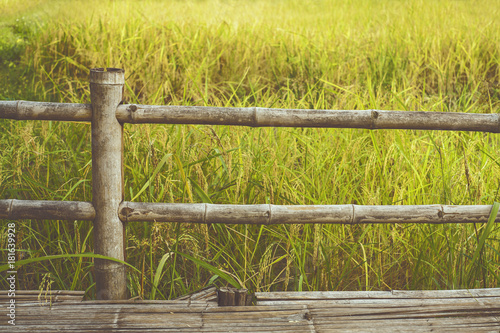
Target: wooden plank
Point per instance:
(113, 316)
(207, 294)
(456, 293)
(50, 292)
(171, 316)
(379, 302)
(382, 312)
(394, 294)
(42, 297)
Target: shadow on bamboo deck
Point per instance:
(373, 311)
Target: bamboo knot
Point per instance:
(374, 116)
(9, 212)
(269, 214)
(255, 117)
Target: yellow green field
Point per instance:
(389, 54)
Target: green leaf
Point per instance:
(157, 277)
(487, 230)
(19, 263)
(199, 191)
(155, 172)
(229, 279)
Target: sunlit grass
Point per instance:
(418, 55)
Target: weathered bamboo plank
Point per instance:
(389, 302)
(120, 317)
(259, 117)
(45, 299)
(381, 312)
(42, 297)
(3, 293)
(394, 294)
(106, 88)
(275, 214)
(205, 294)
(148, 304)
(13, 209)
(407, 325)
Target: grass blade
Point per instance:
(223, 275)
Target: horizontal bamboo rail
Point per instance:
(301, 214)
(249, 214)
(24, 110)
(13, 209)
(258, 117)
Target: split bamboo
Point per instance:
(106, 88)
(259, 117)
(13, 209)
(328, 214)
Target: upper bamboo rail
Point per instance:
(249, 214)
(258, 117)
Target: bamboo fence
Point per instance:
(110, 213)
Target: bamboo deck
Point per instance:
(402, 311)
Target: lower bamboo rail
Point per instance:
(13, 209)
(292, 214)
(476, 310)
(249, 214)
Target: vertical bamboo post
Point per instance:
(106, 89)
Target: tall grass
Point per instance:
(418, 55)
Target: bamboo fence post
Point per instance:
(106, 89)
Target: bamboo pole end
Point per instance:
(107, 76)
